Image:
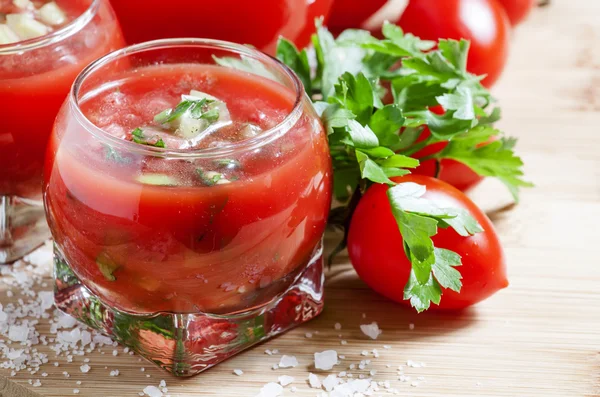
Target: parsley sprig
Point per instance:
(371, 141)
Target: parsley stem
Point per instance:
(418, 146)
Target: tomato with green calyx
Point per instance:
(375, 246)
(517, 10)
(483, 22)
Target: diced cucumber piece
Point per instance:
(25, 26)
(23, 4)
(7, 35)
(51, 14)
(157, 179)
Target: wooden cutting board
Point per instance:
(539, 337)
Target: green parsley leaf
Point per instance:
(288, 53)
(444, 271)
(362, 136)
(137, 135)
(492, 159)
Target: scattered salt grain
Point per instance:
(414, 384)
(387, 347)
(238, 372)
(364, 353)
(411, 326)
(269, 352)
(343, 342)
(308, 335)
(37, 383)
(18, 333)
(293, 389)
(326, 360)
(271, 390)
(114, 373)
(314, 381)
(288, 361)
(371, 330)
(162, 383)
(337, 326)
(78, 382)
(85, 368)
(115, 352)
(330, 382)
(152, 391)
(275, 366)
(285, 380)
(75, 391)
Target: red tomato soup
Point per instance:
(43, 46)
(205, 188)
(256, 22)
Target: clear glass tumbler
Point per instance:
(188, 256)
(35, 77)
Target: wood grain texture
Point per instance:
(540, 337)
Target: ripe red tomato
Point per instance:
(517, 10)
(453, 172)
(375, 246)
(483, 22)
(347, 14)
(257, 22)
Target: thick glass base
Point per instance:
(187, 344)
(23, 227)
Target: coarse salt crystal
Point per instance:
(343, 342)
(18, 333)
(308, 335)
(115, 352)
(271, 389)
(285, 380)
(162, 383)
(326, 360)
(337, 326)
(84, 368)
(314, 381)
(371, 330)
(288, 361)
(330, 382)
(152, 391)
(238, 372)
(37, 383)
(114, 373)
(75, 391)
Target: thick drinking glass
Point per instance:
(257, 22)
(188, 252)
(35, 77)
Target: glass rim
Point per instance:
(260, 140)
(75, 26)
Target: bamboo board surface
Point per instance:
(539, 337)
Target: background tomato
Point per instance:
(375, 246)
(257, 22)
(517, 10)
(483, 22)
(347, 14)
(450, 171)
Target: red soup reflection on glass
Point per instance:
(256, 22)
(187, 187)
(43, 46)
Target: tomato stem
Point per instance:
(544, 3)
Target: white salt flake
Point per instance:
(314, 381)
(271, 389)
(85, 368)
(238, 372)
(288, 361)
(285, 380)
(152, 391)
(330, 382)
(326, 360)
(371, 330)
(18, 333)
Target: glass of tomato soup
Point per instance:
(255, 22)
(43, 46)
(188, 184)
